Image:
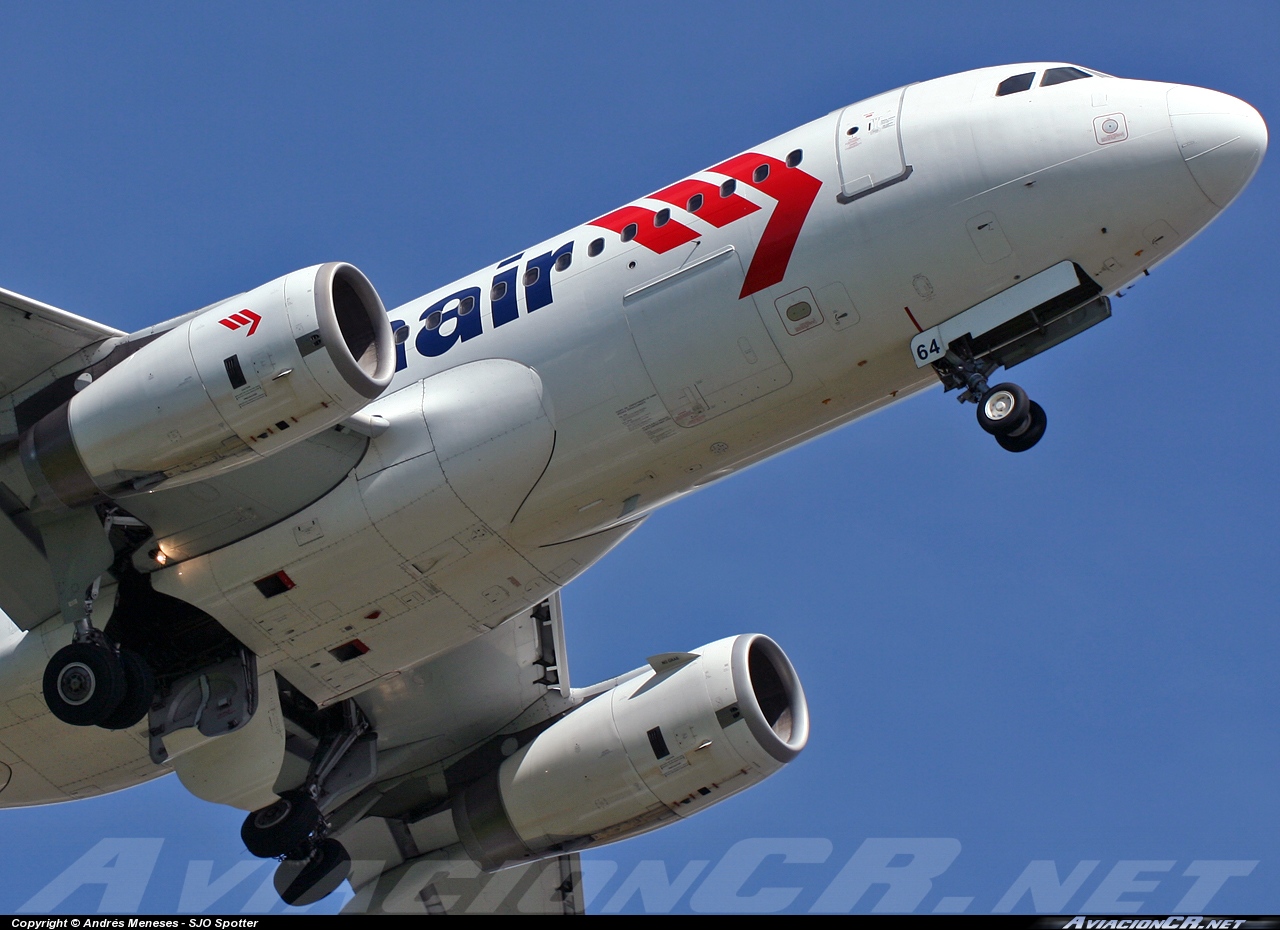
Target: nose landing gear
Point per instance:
(1004, 411)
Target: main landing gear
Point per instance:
(295, 830)
(1004, 411)
(95, 682)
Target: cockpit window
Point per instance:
(1062, 75)
(1015, 84)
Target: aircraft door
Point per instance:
(869, 145)
(706, 349)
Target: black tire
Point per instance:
(84, 683)
(140, 691)
(282, 827)
(1028, 437)
(305, 881)
(1003, 409)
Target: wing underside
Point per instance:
(35, 336)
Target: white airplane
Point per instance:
(306, 553)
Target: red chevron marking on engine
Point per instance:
(242, 318)
(717, 210)
(795, 191)
(658, 239)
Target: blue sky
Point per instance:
(1066, 655)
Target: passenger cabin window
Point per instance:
(695, 203)
(1016, 84)
(595, 248)
(1062, 75)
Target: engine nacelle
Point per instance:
(240, 380)
(662, 745)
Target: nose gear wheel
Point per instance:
(1003, 409)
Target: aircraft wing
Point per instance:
(405, 850)
(399, 830)
(35, 336)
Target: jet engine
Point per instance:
(690, 731)
(233, 383)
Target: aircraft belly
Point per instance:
(395, 564)
(352, 587)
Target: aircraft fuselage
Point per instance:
(545, 404)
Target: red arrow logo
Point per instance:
(243, 318)
(793, 189)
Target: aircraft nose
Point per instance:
(1222, 139)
